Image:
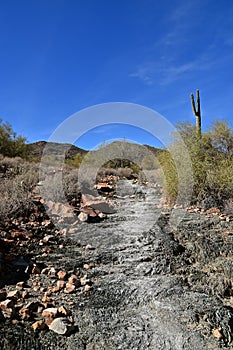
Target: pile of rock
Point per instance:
(43, 311)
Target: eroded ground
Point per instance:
(152, 283)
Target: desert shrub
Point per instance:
(75, 161)
(10, 167)
(16, 193)
(212, 164)
(70, 183)
(11, 144)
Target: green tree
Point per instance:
(11, 145)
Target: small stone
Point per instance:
(46, 298)
(52, 272)
(45, 271)
(25, 313)
(47, 238)
(69, 288)
(61, 326)
(217, 334)
(72, 231)
(87, 288)
(73, 279)
(21, 284)
(89, 247)
(14, 294)
(7, 304)
(84, 280)
(83, 217)
(86, 266)
(61, 274)
(39, 325)
(25, 294)
(50, 312)
(63, 311)
(61, 284)
(36, 270)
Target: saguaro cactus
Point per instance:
(197, 112)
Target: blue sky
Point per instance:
(58, 57)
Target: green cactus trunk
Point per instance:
(197, 112)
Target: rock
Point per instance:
(213, 211)
(39, 325)
(63, 311)
(87, 288)
(7, 304)
(217, 334)
(45, 271)
(84, 280)
(72, 231)
(86, 266)
(33, 306)
(21, 284)
(89, 247)
(50, 312)
(61, 274)
(7, 307)
(73, 279)
(14, 294)
(36, 270)
(61, 325)
(25, 313)
(83, 217)
(47, 238)
(69, 288)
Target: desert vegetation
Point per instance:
(212, 162)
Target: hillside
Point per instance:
(35, 150)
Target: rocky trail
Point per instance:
(132, 281)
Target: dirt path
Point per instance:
(142, 297)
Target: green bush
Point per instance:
(212, 163)
(11, 145)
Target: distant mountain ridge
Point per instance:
(36, 149)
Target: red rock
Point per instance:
(39, 325)
(62, 274)
(63, 311)
(25, 313)
(61, 284)
(213, 211)
(86, 266)
(50, 312)
(217, 334)
(69, 288)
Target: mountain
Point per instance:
(35, 150)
